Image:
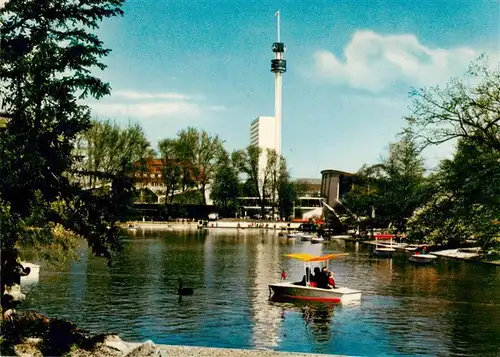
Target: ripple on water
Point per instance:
(450, 308)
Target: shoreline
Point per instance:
(453, 254)
(111, 345)
(456, 254)
(182, 350)
(218, 224)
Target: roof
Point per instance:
(338, 172)
(315, 258)
(155, 162)
(309, 181)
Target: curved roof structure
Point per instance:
(315, 258)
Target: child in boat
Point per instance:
(331, 282)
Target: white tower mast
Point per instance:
(278, 66)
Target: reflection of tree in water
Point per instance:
(454, 304)
(318, 317)
(474, 317)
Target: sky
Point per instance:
(350, 67)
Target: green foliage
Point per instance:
(106, 150)
(191, 197)
(466, 108)
(247, 162)
(466, 199)
(465, 194)
(190, 161)
(288, 193)
(226, 188)
(172, 169)
(395, 187)
(262, 182)
(47, 56)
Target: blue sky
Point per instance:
(350, 66)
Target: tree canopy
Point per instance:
(47, 56)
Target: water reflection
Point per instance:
(317, 317)
(448, 308)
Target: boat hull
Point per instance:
(33, 276)
(384, 252)
(305, 293)
(422, 258)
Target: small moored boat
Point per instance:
(308, 291)
(422, 258)
(383, 250)
(318, 240)
(34, 274)
(294, 235)
(306, 237)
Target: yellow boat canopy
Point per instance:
(315, 258)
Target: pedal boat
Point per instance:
(309, 292)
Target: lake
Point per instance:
(451, 308)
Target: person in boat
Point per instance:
(317, 275)
(304, 280)
(326, 275)
(331, 282)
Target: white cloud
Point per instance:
(217, 108)
(375, 62)
(141, 110)
(145, 95)
(136, 104)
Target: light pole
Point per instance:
(373, 220)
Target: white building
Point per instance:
(263, 135)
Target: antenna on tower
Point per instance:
(277, 14)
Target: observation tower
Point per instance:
(278, 67)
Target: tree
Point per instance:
(275, 174)
(288, 193)
(463, 109)
(404, 176)
(107, 148)
(206, 154)
(249, 163)
(394, 187)
(172, 168)
(46, 55)
(366, 191)
(226, 188)
(191, 160)
(465, 199)
(464, 196)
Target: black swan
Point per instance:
(184, 291)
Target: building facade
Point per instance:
(262, 132)
(335, 184)
(263, 135)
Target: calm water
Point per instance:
(450, 308)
